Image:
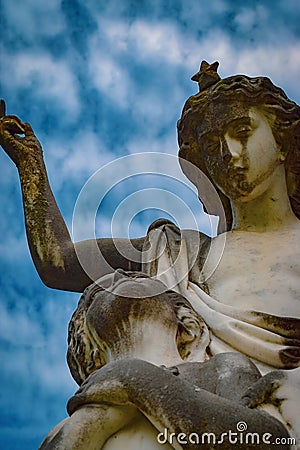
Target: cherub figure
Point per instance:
(132, 327)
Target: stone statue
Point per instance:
(119, 347)
(243, 133)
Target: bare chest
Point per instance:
(259, 271)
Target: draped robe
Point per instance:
(272, 342)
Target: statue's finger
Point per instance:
(2, 108)
(13, 124)
(27, 129)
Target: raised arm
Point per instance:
(49, 241)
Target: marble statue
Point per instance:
(120, 345)
(244, 134)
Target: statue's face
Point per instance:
(125, 299)
(241, 154)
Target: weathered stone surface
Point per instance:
(206, 298)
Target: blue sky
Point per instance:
(99, 80)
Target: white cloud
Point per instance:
(27, 331)
(85, 155)
(50, 79)
(38, 341)
(157, 40)
(247, 18)
(215, 46)
(162, 145)
(32, 19)
(116, 32)
(281, 64)
(163, 45)
(155, 48)
(108, 75)
(75, 159)
(147, 40)
(18, 243)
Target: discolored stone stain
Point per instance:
(290, 356)
(38, 224)
(277, 267)
(253, 251)
(288, 327)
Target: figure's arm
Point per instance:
(49, 241)
(172, 403)
(89, 427)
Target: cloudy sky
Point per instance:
(100, 80)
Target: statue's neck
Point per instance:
(266, 212)
(150, 342)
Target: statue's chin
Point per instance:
(146, 340)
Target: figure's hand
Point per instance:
(279, 389)
(105, 385)
(16, 146)
(264, 391)
(274, 388)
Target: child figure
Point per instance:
(126, 330)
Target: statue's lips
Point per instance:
(237, 172)
(238, 178)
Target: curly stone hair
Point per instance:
(282, 113)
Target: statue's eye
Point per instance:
(242, 131)
(212, 144)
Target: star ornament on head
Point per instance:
(207, 75)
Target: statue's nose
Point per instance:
(225, 152)
(232, 151)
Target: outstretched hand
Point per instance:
(16, 137)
